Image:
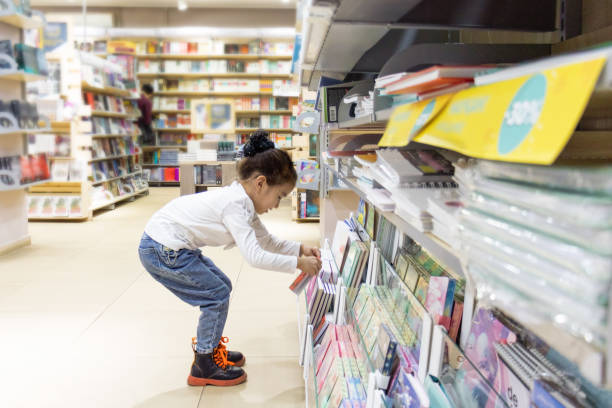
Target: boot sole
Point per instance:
(198, 382)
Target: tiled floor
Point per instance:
(83, 325)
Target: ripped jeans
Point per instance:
(196, 280)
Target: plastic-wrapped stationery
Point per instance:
(593, 179)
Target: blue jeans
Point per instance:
(196, 280)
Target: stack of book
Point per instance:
(406, 87)
(171, 103)
(173, 121)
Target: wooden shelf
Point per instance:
(21, 21)
(238, 112)
(107, 90)
(172, 111)
(248, 57)
(60, 218)
(21, 76)
(189, 75)
(58, 187)
(96, 183)
(307, 219)
(159, 165)
(157, 147)
(180, 130)
(210, 93)
(110, 135)
(248, 130)
(99, 159)
(23, 186)
(106, 114)
(24, 132)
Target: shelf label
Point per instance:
(528, 119)
(407, 120)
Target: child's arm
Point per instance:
(281, 246)
(235, 219)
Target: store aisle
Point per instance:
(83, 325)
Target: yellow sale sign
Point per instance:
(527, 119)
(407, 120)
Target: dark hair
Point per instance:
(260, 156)
(146, 88)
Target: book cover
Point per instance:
(298, 285)
(421, 290)
(455, 325)
(436, 296)
(445, 319)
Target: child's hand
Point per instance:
(310, 251)
(310, 265)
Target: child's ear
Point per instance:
(260, 181)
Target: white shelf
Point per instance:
(118, 199)
(21, 76)
(23, 186)
(113, 157)
(96, 183)
(438, 249)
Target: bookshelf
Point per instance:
(115, 169)
(496, 270)
(14, 232)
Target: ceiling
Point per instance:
(290, 4)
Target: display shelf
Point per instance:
(186, 129)
(249, 130)
(22, 186)
(21, 21)
(20, 75)
(248, 57)
(97, 183)
(57, 187)
(60, 218)
(106, 114)
(119, 199)
(210, 93)
(159, 165)
(121, 156)
(190, 75)
(441, 251)
(21, 132)
(110, 135)
(156, 147)
(106, 90)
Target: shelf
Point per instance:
(110, 135)
(95, 183)
(172, 111)
(189, 75)
(307, 219)
(106, 90)
(383, 115)
(163, 147)
(118, 199)
(23, 186)
(113, 157)
(249, 130)
(182, 130)
(57, 187)
(21, 21)
(205, 162)
(164, 183)
(238, 112)
(248, 57)
(208, 185)
(105, 114)
(159, 165)
(21, 76)
(60, 218)
(438, 249)
(210, 93)
(17, 132)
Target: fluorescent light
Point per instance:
(182, 5)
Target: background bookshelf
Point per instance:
(16, 165)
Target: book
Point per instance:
(300, 283)
(421, 289)
(455, 325)
(434, 78)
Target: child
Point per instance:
(169, 250)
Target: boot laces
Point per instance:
(219, 352)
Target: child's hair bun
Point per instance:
(258, 142)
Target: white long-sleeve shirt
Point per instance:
(222, 217)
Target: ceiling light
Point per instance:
(182, 5)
